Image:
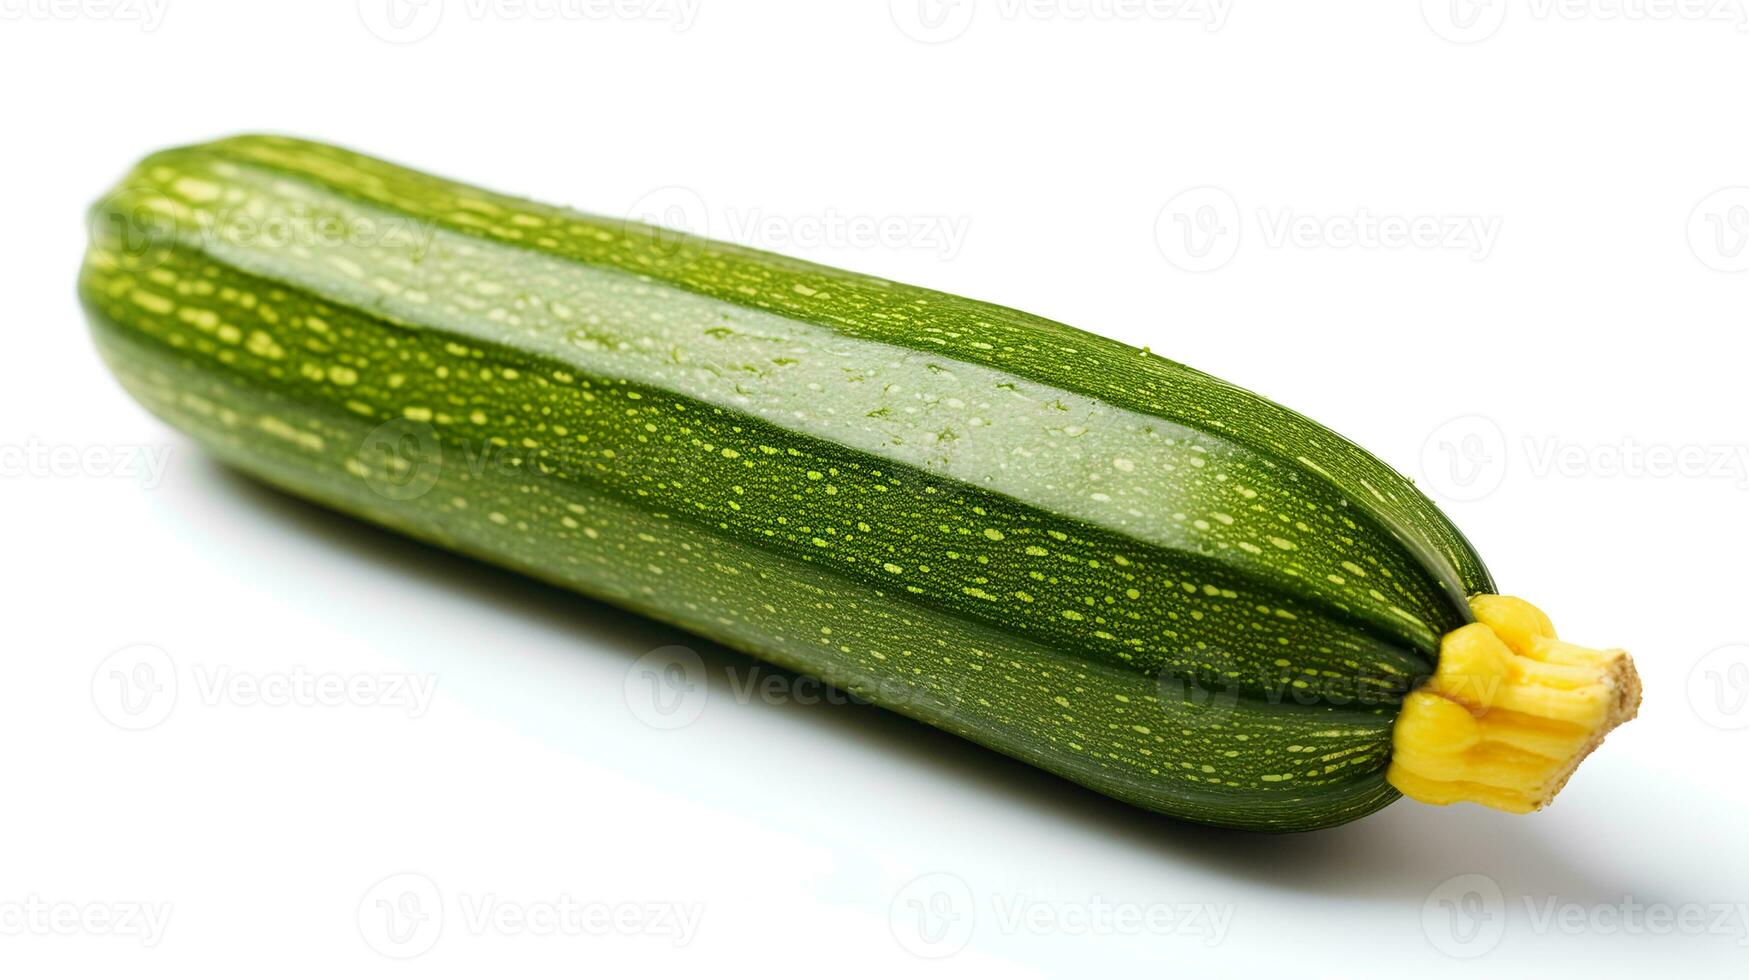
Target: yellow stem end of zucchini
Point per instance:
(1510, 712)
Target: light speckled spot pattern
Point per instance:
(775, 477)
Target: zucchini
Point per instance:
(1074, 552)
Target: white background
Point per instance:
(1578, 309)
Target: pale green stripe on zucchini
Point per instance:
(1022, 533)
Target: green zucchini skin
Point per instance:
(1082, 555)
